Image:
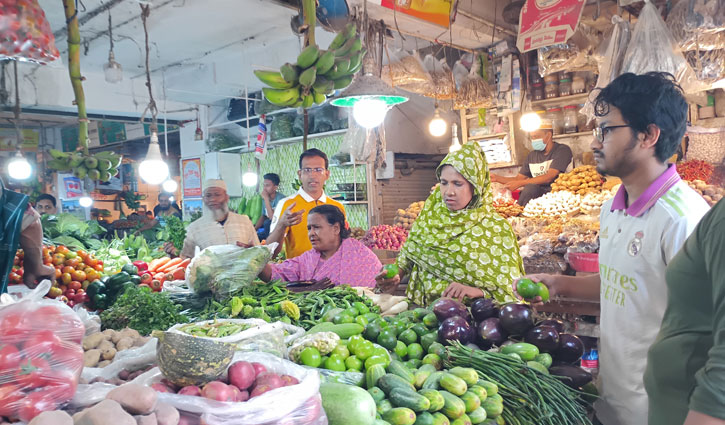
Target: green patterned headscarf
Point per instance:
(474, 246)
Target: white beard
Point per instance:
(217, 214)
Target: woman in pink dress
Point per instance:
(334, 255)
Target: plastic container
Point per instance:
(551, 89)
(565, 83)
(579, 83)
(584, 123)
(590, 361)
(571, 120)
(552, 78)
(584, 261)
(537, 91)
(534, 76)
(557, 120)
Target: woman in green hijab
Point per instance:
(459, 247)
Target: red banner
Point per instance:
(546, 22)
(191, 177)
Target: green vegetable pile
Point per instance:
(141, 309)
(214, 329)
(176, 231)
(529, 396)
(67, 229)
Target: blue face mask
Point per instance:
(538, 144)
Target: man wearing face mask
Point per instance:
(541, 167)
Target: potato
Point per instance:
(130, 333)
(124, 344)
(108, 354)
(147, 419)
(116, 337)
(78, 415)
(136, 399)
(92, 341)
(91, 358)
(105, 345)
(166, 414)
(55, 417)
(108, 333)
(103, 363)
(104, 413)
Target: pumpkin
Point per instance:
(186, 360)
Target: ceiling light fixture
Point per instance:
(198, 135)
(530, 121)
(112, 70)
(455, 143)
(170, 186)
(437, 126)
(85, 201)
(249, 178)
(18, 168)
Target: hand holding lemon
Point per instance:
(529, 290)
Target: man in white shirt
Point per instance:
(640, 122)
(217, 225)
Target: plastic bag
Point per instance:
(442, 86)
(43, 358)
(25, 34)
(296, 404)
(574, 55)
(404, 69)
(473, 91)
(271, 338)
(224, 269)
(358, 141)
(130, 360)
(92, 322)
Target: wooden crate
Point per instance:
(386, 256)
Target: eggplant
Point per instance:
(573, 376)
(545, 338)
(557, 324)
(570, 350)
(490, 333)
(447, 307)
(455, 328)
(483, 308)
(517, 319)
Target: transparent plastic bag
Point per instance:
(224, 269)
(442, 86)
(698, 24)
(358, 141)
(472, 90)
(42, 363)
(131, 360)
(404, 69)
(574, 55)
(91, 321)
(297, 404)
(25, 33)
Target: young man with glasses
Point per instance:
(641, 120)
(289, 224)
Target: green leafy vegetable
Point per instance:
(176, 230)
(141, 309)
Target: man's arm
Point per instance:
(31, 241)
(260, 223)
(547, 178)
(268, 210)
(577, 287)
(502, 179)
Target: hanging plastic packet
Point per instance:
(25, 34)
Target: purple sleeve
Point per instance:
(366, 266)
(288, 270)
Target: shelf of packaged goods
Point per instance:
(574, 99)
(570, 135)
(487, 136)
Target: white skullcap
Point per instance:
(215, 183)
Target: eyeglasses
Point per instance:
(313, 170)
(601, 132)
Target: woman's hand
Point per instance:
(460, 291)
(243, 245)
(385, 285)
(547, 279)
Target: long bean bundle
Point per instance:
(529, 396)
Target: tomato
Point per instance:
(61, 249)
(14, 277)
(71, 255)
(78, 275)
(98, 267)
(82, 253)
(61, 385)
(75, 285)
(67, 356)
(66, 278)
(92, 262)
(63, 288)
(14, 327)
(9, 358)
(58, 259)
(92, 275)
(58, 274)
(10, 396)
(72, 262)
(34, 404)
(68, 269)
(70, 293)
(55, 292)
(46, 251)
(47, 260)
(32, 373)
(41, 342)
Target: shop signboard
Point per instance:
(434, 11)
(191, 177)
(546, 22)
(8, 139)
(71, 186)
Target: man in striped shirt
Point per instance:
(641, 120)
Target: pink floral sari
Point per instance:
(353, 264)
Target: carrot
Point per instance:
(171, 265)
(179, 274)
(157, 263)
(159, 276)
(185, 263)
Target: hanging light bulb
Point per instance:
(113, 71)
(170, 186)
(153, 169)
(198, 135)
(85, 201)
(19, 168)
(370, 98)
(369, 113)
(455, 143)
(249, 178)
(530, 121)
(437, 126)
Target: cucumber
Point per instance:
(454, 407)
(424, 418)
(440, 419)
(479, 391)
(430, 320)
(331, 313)
(377, 394)
(422, 374)
(469, 375)
(526, 351)
(398, 368)
(453, 384)
(400, 416)
(493, 407)
(343, 330)
(390, 383)
(491, 388)
(372, 375)
(471, 401)
(384, 406)
(435, 398)
(409, 399)
(463, 420)
(478, 415)
(347, 404)
(432, 383)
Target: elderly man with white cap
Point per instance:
(217, 225)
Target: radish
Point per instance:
(219, 391)
(242, 375)
(243, 396)
(161, 388)
(190, 390)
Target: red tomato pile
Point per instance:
(74, 271)
(39, 367)
(385, 237)
(25, 33)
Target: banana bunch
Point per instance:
(101, 166)
(317, 73)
